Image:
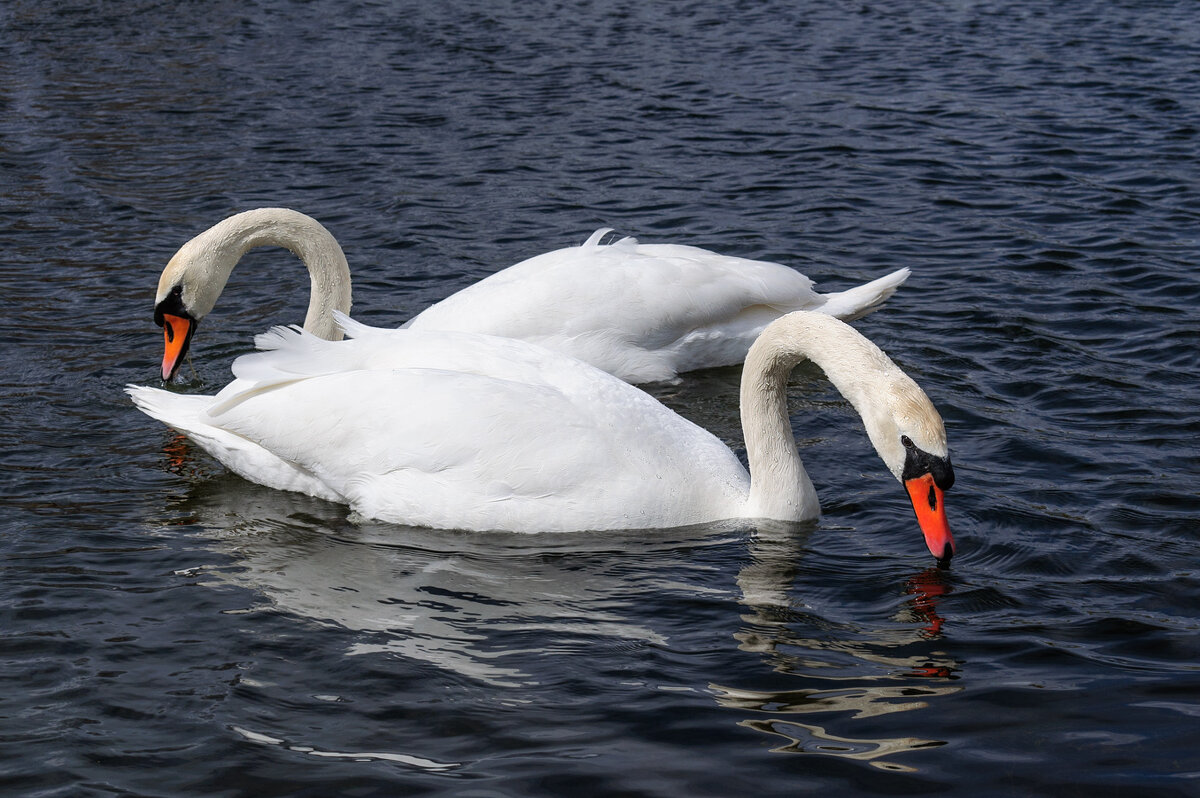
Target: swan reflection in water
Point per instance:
(454, 600)
(868, 670)
(460, 601)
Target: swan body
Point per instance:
(642, 312)
(476, 432)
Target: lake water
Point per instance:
(168, 629)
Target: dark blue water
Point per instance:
(169, 629)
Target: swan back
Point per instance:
(640, 311)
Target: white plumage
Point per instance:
(456, 430)
(642, 312)
(468, 431)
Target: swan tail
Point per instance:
(290, 353)
(178, 411)
(188, 414)
(285, 353)
(356, 329)
(278, 337)
(184, 413)
(857, 302)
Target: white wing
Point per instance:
(643, 312)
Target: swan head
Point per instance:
(908, 433)
(196, 275)
(185, 295)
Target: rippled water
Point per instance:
(168, 629)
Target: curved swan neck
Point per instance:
(888, 401)
(202, 266)
(779, 486)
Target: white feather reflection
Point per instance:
(864, 671)
(465, 602)
(408, 760)
(471, 604)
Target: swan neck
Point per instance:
(215, 253)
(879, 391)
(780, 488)
(891, 405)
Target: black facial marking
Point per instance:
(917, 461)
(173, 304)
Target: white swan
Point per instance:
(458, 430)
(642, 312)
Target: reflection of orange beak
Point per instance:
(177, 332)
(926, 499)
(926, 589)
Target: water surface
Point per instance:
(169, 629)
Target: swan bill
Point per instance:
(177, 335)
(927, 502)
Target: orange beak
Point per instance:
(177, 334)
(926, 499)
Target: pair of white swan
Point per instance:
(454, 429)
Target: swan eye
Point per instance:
(918, 462)
(172, 303)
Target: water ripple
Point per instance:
(176, 630)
